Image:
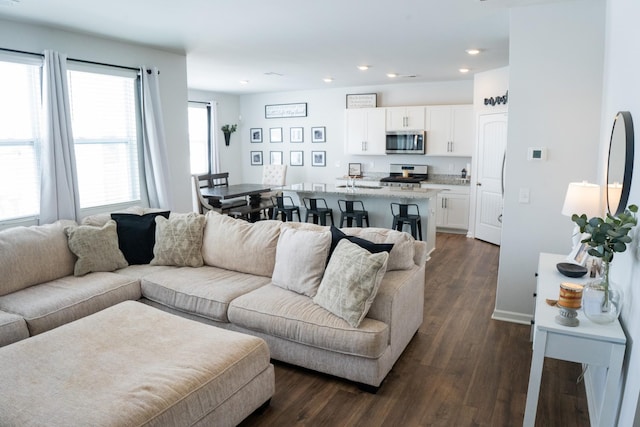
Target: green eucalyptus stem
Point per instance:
(605, 284)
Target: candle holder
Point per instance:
(569, 302)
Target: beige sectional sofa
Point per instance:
(269, 279)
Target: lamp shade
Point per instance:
(582, 198)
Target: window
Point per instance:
(199, 130)
(19, 139)
(104, 119)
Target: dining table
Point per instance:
(254, 191)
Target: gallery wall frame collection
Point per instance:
(256, 158)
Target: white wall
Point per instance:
(622, 92)
(555, 94)
(173, 84)
(326, 108)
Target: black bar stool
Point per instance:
(353, 209)
(283, 206)
(401, 216)
(318, 209)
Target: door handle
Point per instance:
(479, 184)
(500, 218)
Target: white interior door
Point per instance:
(492, 144)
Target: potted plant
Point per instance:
(228, 130)
(606, 236)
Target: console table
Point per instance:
(588, 343)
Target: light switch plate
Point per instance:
(523, 196)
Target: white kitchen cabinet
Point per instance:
(452, 206)
(405, 118)
(365, 131)
(450, 130)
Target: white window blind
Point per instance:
(19, 139)
(105, 131)
(198, 138)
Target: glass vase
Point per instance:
(602, 302)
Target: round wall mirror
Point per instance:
(620, 165)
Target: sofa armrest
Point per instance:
(400, 304)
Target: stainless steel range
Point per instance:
(405, 175)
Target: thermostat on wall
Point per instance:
(537, 153)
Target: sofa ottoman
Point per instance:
(134, 365)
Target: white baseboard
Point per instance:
(513, 317)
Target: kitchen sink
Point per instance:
(371, 187)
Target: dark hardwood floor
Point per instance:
(461, 369)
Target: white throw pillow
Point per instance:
(401, 256)
(237, 245)
(351, 281)
(179, 240)
(301, 256)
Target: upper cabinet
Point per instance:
(450, 130)
(405, 118)
(365, 131)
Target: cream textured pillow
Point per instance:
(351, 281)
(237, 245)
(301, 256)
(179, 240)
(401, 256)
(96, 248)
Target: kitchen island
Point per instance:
(377, 200)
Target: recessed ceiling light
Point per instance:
(363, 67)
(464, 70)
(273, 73)
(244, 82)
(327, 79)
(392, 75)
(473, 51)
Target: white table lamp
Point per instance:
(582, 198)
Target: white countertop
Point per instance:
(387, 192)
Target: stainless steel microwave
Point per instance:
(413, 142)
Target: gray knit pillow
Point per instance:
(179, 240)
(351, 281)
(96, 248)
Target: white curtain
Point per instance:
(156, 163)
(215, 151)
(59, 196)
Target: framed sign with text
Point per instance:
(280, 111)
(362, 100)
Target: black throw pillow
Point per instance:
(337, 235)
(137, 235)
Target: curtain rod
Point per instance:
(72, 59)
(200, 102)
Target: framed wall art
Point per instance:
(256, 158)
(296, 158)
(275, 157)
(362, 100)
(255, 134)
(296, 134)
(318, 158)
(275, 135)
(318, 134)
(281, 111)
(355, 169)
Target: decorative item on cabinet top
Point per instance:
(362, 100)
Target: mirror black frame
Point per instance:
(627, 121)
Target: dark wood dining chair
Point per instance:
(215, 180)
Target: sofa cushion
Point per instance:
(239, 245)
(351, 281)
(281, 313)
(205, 291)
(137, 235)
(51, 304)
(401, 256)
(96, 248)
(13, 328)
(179, 240)
(301, 259)
(32, 255)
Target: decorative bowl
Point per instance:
(571, 270)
